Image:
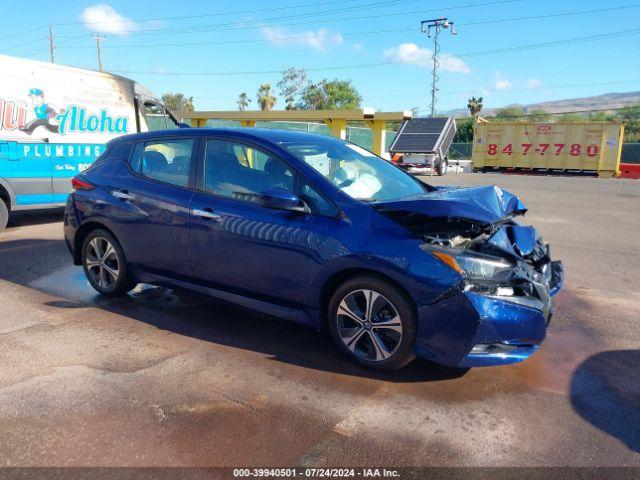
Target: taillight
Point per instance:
(79, 183)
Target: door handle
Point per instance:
(122, 195)
(205, 213)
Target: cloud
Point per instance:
(534, 83)
(502, 83)
(412, 54)
(320, 40)
(103, 18)
(357, 47)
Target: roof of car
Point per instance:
(268, 134)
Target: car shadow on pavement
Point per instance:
(191, 314)
(605, 391)
(220, 322)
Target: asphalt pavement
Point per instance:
(169, 378)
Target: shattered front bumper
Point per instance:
(470, 329)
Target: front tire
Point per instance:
(373, 323)
(4, 215)
(105, 265)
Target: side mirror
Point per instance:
(281, 199)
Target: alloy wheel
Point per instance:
(369, 325)
(102, 264)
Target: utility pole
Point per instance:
(99, 38)
(425, 27)
(51, 46)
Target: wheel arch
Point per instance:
(339, 277)
(82, 233)
(7, 194)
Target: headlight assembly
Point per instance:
(473, 266)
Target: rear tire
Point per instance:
(105, 265)
(4, 215)
(373, 323)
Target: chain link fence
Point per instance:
(363, 136)
(630, 153)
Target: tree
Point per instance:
(509, 113)
(178, 102)
(265, 99)
(475, 106)
(601, 117)
(464, 132)
(243, 101)
(631, 118)
(291, 84)
(330, 95)
(538, 115)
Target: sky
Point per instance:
(509, 51)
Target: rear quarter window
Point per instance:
(135, 160)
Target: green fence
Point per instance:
(630, 153)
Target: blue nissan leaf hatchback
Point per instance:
(322, 232)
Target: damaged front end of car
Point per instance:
(506, 276)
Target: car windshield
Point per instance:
(356, 171)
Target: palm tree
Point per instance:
(475, 106)
(243, 101)
(265, 99)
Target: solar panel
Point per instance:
(412, 142)
(425, 125)
(425, 135)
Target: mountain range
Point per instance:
(599, 102)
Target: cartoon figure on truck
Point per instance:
(55, 121)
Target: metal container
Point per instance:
(581, 147)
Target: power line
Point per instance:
(486, 91)
(557, 43)
(256, 24)
(259, 40)
(13, 35)
(213, 14)
(337, 35)
(199, 28)
(550, 15)
(35, 40)
(334, 35)
(57, 47)
(569, 41)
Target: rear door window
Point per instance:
(167, 161)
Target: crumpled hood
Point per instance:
(488, 204)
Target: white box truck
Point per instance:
(55, 121)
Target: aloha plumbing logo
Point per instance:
(73, 119)
(76, 119)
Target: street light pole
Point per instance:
(425, 27)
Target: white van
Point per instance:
(55, 121)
